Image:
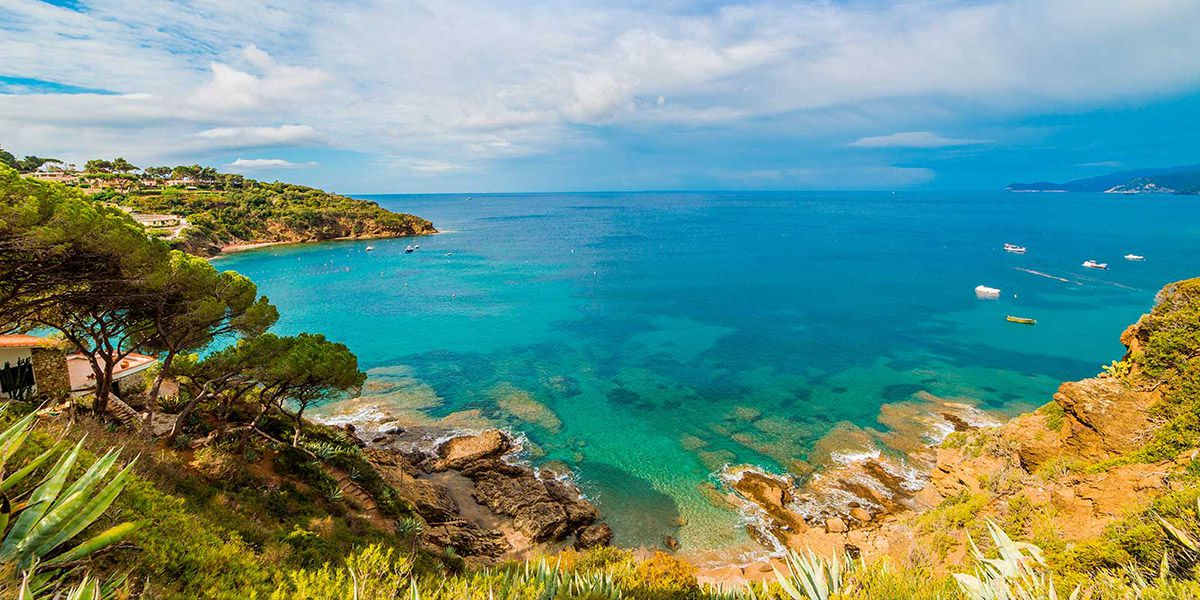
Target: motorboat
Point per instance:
(1091, 264)
(1021, 320)
(984, 292)
(1134, 257)
(370, 248)
(1015, 249)
(408, 249)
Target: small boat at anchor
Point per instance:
(1091, 264)
(1015, 249)
(408, 249)
(370, 248)
(1021, 320)
(1135, 257)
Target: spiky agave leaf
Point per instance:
(88, 513)
(104, 539)
(24, 471)
(39, 503)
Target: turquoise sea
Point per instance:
(647, 339)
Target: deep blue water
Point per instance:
(647, 339)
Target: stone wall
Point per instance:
(50, 372)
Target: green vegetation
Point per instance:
(1168, 354)
(27, 164)
(223, 208)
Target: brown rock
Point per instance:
(432, 501)
(671, 543)
(467, 538)
(836, 525)
(860, 514)
(1104, 416)
(544, 521)
(461, 452)
(593, 536)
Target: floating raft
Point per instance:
(1021, 320)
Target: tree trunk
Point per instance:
(184, 414)
(103, 385)
(299, 426)
(152, 396)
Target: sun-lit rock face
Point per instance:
(878, 492)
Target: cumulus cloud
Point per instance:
(911, 139)
(259, 136)
(257, 164)
(457, 84)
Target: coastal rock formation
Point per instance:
(1034, 463)
(592, 536)
(462, 452)
(544, 508)
(474, 498)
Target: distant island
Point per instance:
(1172, 180)
(205, 212)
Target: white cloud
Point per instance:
(258, 164)
(453, 85)
(259, 136)
(431, 167)
(911, 139)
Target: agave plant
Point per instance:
(55, 512)
(1017, 574)
(89, 588)
(810, 577)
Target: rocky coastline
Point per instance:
(874, 493)
(477, 496)
(1026, 463)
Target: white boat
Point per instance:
(409, 249)
(1091, 264)
(370, 248)
(984, 292)
(1134, 257)
(1015, 249)
(416, 246)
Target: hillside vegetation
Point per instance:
(223, 209)
(235, 210)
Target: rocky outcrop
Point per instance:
(592, 536)
(1104, 417)
(544, 508)
(1033, 463)
(470, 492)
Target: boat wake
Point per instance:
(1046, 275)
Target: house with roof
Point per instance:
(32, 365)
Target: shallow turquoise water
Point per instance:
(667, 334)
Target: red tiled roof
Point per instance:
(25, 341)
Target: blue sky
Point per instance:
(468, 96)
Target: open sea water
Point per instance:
(648, 339)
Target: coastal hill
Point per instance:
(204, 212)
(1172, 180)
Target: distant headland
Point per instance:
(205, 212)
(1171, 180)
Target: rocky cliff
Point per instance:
(476, 497)
(1059, 475)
